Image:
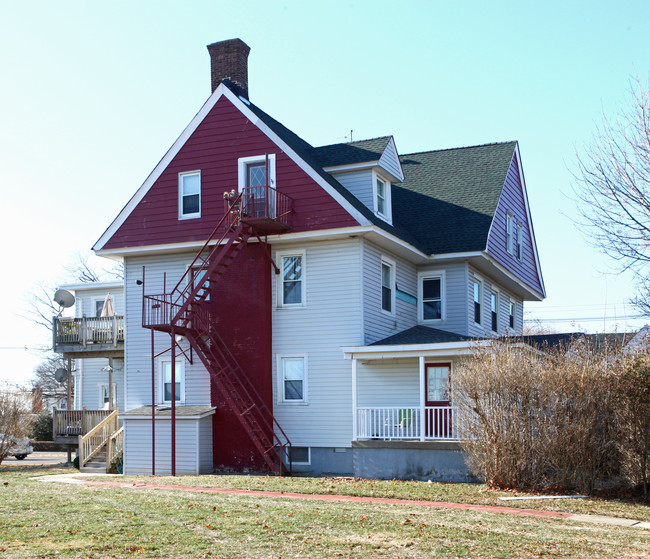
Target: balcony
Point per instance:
(263, 208)
(89, 336)
(69, 425)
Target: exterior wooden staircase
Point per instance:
(187, 311)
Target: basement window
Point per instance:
(300, 456)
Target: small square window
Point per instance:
(300, 455)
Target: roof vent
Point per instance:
(229, 64)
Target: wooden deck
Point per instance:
(68, 425)
(89, 336)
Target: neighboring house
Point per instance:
(329, 308)
(90, 338)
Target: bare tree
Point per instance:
(45, 381)
(85, 272)
(14, 418)
(613, 190)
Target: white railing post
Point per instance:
(355, 425)
(423, 389)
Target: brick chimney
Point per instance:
(229, 61)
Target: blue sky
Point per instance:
(94, 93)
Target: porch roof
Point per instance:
(165, 412)
(418, 341)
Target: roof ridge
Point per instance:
(354, 142)
(459, 147)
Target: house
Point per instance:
(298, 306)
(90, 338)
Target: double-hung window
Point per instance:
(293, 379)
(510, 234)
(292, 280)
(166, 382)
(511, 312)
(431, 298)
(382, 197)
(189, 195)
(477, 301)
(494, 311)
(387, 286)
(520, 241)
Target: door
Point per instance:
(437, 400)
(262, 200)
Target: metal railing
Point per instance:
(94, 440)
(405, 423)
(72, 423)
(259, 204)
(104, 330)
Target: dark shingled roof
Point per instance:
(352, 152)
(445, 203)
(422, 335)
(563, 342)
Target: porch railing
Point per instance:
(405, 423)
(115, 449)
(72, 423)
(97, 438)
(105, 330)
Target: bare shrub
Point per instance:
(533, 419)
(632, 399)
(15, 418)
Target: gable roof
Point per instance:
(422, 335)
(351, 152)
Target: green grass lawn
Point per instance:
(54, 520)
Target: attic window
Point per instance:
(382, 198)
(189, 195)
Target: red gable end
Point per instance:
(223, 136)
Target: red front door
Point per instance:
(437, 396)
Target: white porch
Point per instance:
(391, 393)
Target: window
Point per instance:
(166, 382)
(105, 396)
(196, 275)
(189, 186)
(520, 229)
(511, 312)
(293, 383)
(494, 310)
(387, 286)
(292, 280)
(99, 305)
(381, 193)
(510, 243)
(300, 455)
(431, 297)
(477, 302)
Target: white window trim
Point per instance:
(432, 274)
(195, 215)
(280, 379)
(280, 304)
(519, 242)
(388, 216)
(510, 233)
(481, 296)
(96, 300)
(393, 280)
(494, 291)
(241, 169)
(180, 375)
(514, 314)
(100, 386)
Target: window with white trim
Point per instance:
(300, 455)
(292, 280)
(520, 235)
(293, 378)
(387, 286)
(511, 314)
(478, 289)
(494, 311)
(510, 234)
(431, 297)
(189, 195)
(105, 396)
(165, 395)
(381, 190)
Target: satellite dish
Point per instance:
(60, 375)
(64, 298)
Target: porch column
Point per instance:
(422, 399)
(355, 429)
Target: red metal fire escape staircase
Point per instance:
(185, 311)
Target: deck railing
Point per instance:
(99, 436)
(104, 330)
(115, 449)
(262, 206)
(72, 423)
(405, 423)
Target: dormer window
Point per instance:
(382, 201)
(189, 195)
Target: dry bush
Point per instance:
(532, 419)
(15, 418)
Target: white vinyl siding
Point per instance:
(138, 340)
(389, 160)
(193, 446)
(330, 320)
(395, 383)
(359, 183)
(377, 323)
